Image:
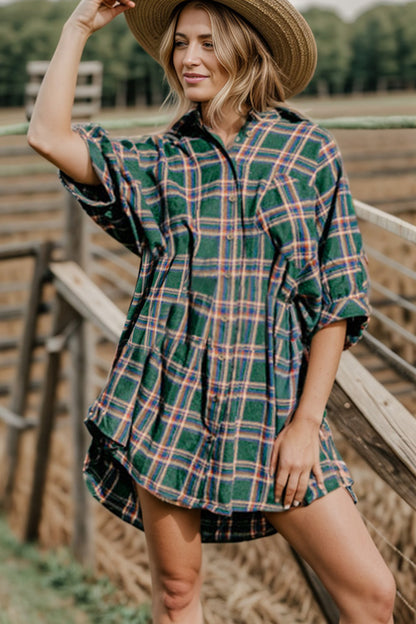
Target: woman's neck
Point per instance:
(229, 126)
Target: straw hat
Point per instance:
(288, 35)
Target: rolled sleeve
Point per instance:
(116, 204)
(343, 265)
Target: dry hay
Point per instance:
(256, 582)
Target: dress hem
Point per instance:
(247, 524)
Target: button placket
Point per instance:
(223, 323)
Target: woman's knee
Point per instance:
(382, 594)
(179, 591)
(374, 597)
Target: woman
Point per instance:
(212, 424)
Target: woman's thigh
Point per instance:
(173, 539)
(331, 536)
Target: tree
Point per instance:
(375, 48)
(406, 33)
(334, 50)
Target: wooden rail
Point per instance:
(346, 123)
(87, 299)
(407, 232)
(386, 221)
(87, 93)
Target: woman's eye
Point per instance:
(209, 45)
(179, 44)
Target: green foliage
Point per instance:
(50, 587)
(334, 50)
(94, 596)
(375, 44)
(30, 29)
(375, 51)
(406, 35)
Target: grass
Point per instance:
(51, 588)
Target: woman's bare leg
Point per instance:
(175, 555)
(331, 536)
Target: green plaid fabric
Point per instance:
(245, 253)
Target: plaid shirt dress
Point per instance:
(245, 253)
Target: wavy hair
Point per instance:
(254, 82)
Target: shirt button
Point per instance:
(225, 319)
(230, 237)
(221, 357)
(233, 198)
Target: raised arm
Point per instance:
(50, 132)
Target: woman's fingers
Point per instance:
(291, 490)
(275, 456)
(113, 4)
(280, 483)
(291, 483)
(300, 493)
(319, 476)
(286, 476)
(292, 462)
(91, 15)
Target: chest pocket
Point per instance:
(285, 212)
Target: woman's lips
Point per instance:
(194, 78)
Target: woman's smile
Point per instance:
(194, 78)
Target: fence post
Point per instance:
(62, 321)
(21, 384)
(81, 347)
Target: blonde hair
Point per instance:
(254, 81)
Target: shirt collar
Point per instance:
(191, 125)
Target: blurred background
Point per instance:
(366, 71)
(363, 47)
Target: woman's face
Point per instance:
(196, 65)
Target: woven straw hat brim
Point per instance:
(284, 29)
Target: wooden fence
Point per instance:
(88, 90)
(373, 421)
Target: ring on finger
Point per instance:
(296, 503)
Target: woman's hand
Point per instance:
(91, 15)
(295, 455)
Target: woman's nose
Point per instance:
(192, 55)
